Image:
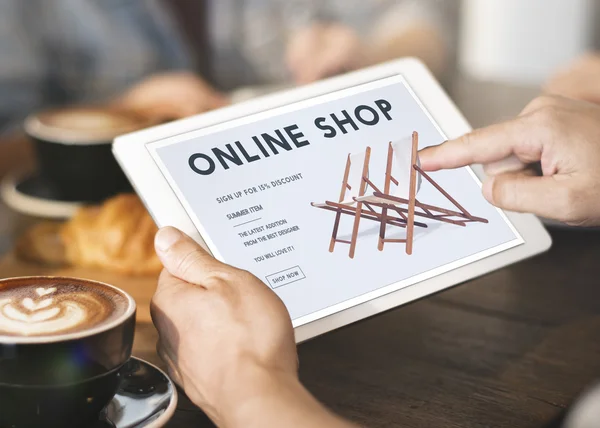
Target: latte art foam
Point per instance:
(57, 309)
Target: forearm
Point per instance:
(276, 401)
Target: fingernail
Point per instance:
(166, 237)
(487, 189)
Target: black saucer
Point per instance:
(30, 194)
(146, 398)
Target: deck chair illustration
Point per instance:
(355, 184)
(408, 179)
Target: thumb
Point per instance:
(183, 258)
(523, 192)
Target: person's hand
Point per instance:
(323, 50)
(580, 81)
(562, 135)
(219, 326)
(171, 96)
(228, 341)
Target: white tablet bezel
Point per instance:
(166, 209)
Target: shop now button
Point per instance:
(285, 277)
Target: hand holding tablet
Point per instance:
(251, 377)
(247, 215)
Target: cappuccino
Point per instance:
(63, 342)
(82, 125)
(73, 150)
(57, 307)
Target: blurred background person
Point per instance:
(76, 51)
(168, 59)
(300, 41)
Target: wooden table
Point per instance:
(511, 349)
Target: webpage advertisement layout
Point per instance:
(325, 201)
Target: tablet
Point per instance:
(318, 191)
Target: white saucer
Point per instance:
(30, 195)
(147, 398)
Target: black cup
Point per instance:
(63, 380)
(73, 148)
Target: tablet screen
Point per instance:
(324, 199)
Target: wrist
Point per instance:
(251, 390)
(266, 398)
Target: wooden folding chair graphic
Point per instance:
(408, 180)
(354, 186)
(407, 183)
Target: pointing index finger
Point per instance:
(483, 146)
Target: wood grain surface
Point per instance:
(511, 349)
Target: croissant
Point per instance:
(42, 244)
(117, 236)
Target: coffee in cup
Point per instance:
(73, 148)
(63, 342)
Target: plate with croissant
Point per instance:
(117, 236)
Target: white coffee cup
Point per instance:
(523, 41)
